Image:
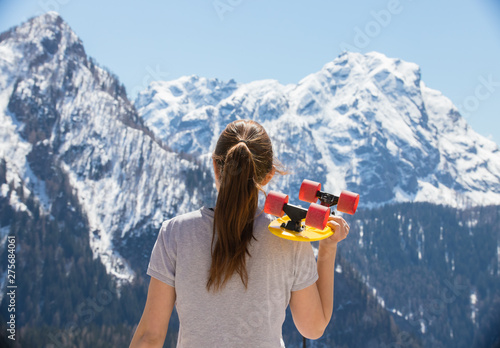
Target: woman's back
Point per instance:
(233, 316)
(229, 277)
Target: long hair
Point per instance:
(243, 157)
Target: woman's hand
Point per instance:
(312, 307)
(340, 230)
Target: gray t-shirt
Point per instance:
(235, 316)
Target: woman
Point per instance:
(229, 277)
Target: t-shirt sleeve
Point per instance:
(305, 269)
(163, 257)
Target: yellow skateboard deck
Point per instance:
(309, 234)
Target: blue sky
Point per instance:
(456, 43)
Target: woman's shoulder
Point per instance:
(203, 212)
(186, 221)
(262, 219)
(261, 228)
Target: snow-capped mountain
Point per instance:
(61, 113)
(366, 123)
(70, 137)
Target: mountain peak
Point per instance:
(51, 17)
(365, 122)
(371, 64)
(370, 59)
(50, 21)
(51, 14)
(41, 37)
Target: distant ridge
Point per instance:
(364, 122)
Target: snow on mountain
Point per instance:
(63, 118)
(364, 122)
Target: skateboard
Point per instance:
(307, 225)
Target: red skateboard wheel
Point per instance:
(274, 203)
(348, 202)
(308, 190)
(317, 216)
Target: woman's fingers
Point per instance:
(340, 230)
(334, 225)
(340, 222)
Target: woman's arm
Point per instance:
(312, 307)
(152, 328)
